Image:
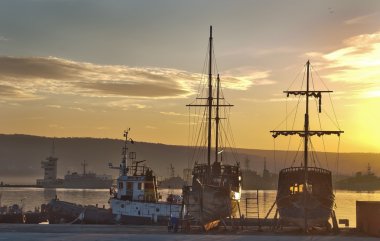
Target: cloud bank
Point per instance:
(37, 77)
(357, 63)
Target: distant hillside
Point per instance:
(21, 156)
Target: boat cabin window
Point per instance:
(140, 186)
(298, 188)
(120, 185)
(295, 188)
(130, 185)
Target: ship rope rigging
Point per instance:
(291, 117)
(198, 133)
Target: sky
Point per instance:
(92, 68)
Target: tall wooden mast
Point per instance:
(209, 105)
(209, 100)
(306, 138)
(217, 119)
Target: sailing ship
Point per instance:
(216, 187)
(135, 200)
(305, 195)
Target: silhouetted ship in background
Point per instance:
(216, 187)
(360, 182)
(172, 182)
(74, 180)
(305, 194)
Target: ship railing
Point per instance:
(297, 169)
(225, 170)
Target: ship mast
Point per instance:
(306, 133)
(217, 120)
(123, 166)
(209, 100)
(306, 138)
(209, 105)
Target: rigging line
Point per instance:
(332, 121)
(312, 66)
(298, 150)
(336, 118)
(227, 141)
(294, 108)
(332, 105)
(337, 159)
(294, 121)
(320, 123)
(189, 139)
(229, 126)
(214, 59)
(198, 143)
(286, 113)
(296, 77)
(314, 155)
(295, 115)
(274, 154)
(233, 153)
(232, 137)
(201, 85)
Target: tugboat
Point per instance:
(216, 187)
(136, 199)
(305, 195)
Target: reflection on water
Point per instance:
(34, 197)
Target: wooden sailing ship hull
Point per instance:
(207, 204)
(293, 201)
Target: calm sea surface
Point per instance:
(34, 197)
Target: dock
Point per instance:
(34, 232)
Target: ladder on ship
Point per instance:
(252, 209)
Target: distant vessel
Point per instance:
(360, 182)
(172, 182)
(86, 180)
(305, 194)
(136, 200)
(216, 188)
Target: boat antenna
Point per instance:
(123, 167)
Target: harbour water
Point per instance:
(34, 197)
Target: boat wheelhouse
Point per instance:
(135, 200)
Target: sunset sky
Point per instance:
(91, 68)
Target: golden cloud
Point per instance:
(42, 76)
(358, 62)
